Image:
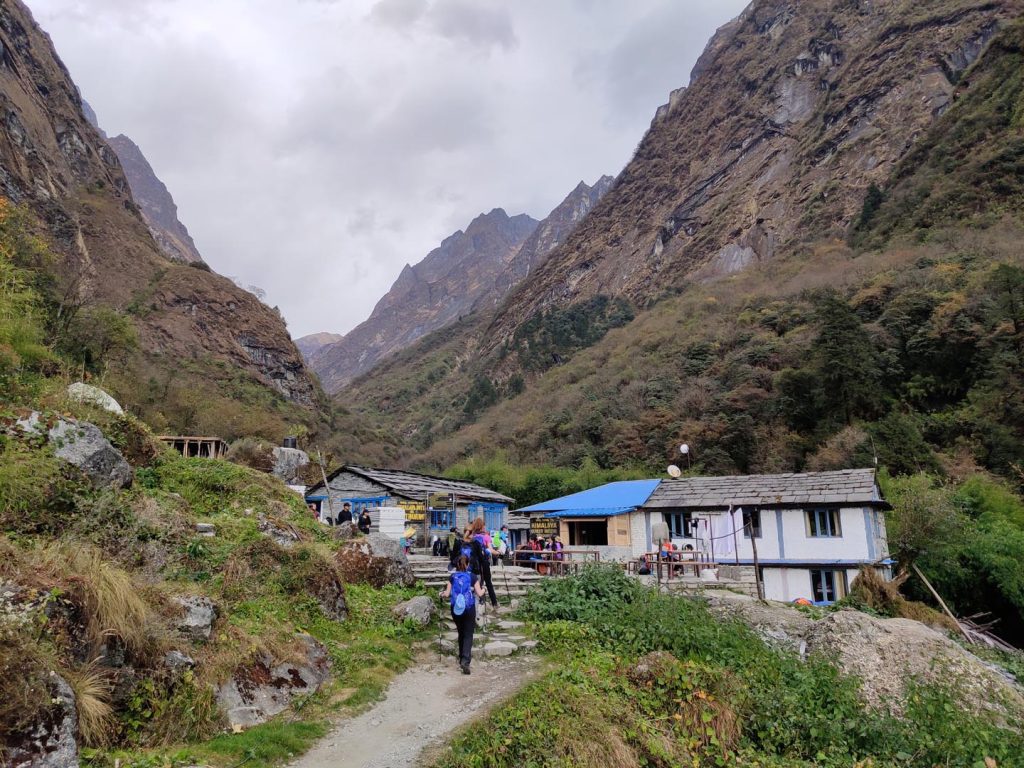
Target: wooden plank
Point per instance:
(942, 602)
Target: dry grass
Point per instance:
(24, 691)
(110, 602)
(870, 590)
(92, 702)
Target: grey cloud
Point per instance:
(480, 23)
(345, 139)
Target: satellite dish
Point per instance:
(674, 471)
(684, 449)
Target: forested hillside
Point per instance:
(902, 340)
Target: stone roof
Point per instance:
(413, 485)
(849, 486)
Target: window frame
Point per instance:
(839, 587)
(831, 515)
(686, 525)
(573, 526)
(756, 529)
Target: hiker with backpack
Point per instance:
(478, 534)
(463, 589)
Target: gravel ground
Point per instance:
(423, 706)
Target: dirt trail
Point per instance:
(423, 705)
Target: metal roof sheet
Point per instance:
(591, 512)
(623, 494)
(848, 486)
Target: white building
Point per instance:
(812, 531)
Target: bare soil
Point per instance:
(422, 708)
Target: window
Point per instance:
(588, 533)
(828, 586)
(680, 525)
(752, 523)
(823, 523)
(442, 518)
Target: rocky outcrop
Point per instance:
(57, 165)
(52, 742)
(82, 445)
(375, 560)
(437, 291)
(198, 615)
(288, 463)
(264, 687)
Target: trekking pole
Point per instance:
(440, 627)
(504, 575)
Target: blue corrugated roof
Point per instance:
(603, 501)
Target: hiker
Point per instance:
(453, 537)
(477, 534)
(462, 590)
(365, 521)
(313, 510)
(345, 516)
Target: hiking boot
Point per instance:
(465, 668)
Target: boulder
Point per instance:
(375, 560)
(288, 463)
(888, 654)
(281, 532)
(198, 615)
(421, 609)
(86, 393)
(83, 444)
(263, 687)
(176, 661)
(51, 743)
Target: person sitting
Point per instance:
(644, 565)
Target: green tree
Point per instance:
(846, 362)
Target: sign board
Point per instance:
(544, 526)
(415, 511)
(440, 501)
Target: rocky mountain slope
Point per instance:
(685, 301)
(312, 343)
(195, 329)
(447, 284)
(469, 272)
(155, 202)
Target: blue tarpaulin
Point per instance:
(604, 501)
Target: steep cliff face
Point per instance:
(762, 162)
(794, 110)
(56, 164)
(447, 284)
(155, 202)
(548, 235)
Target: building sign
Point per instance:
(415, 511)
(440, 501)
(544, 526)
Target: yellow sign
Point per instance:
(415, 511)
(544, 526)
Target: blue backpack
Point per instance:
(467, 551)
(462, 592)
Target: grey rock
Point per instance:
(83, 445)
(447, 647)
(200, 613)
(283, 536)
(499, 648)
(176, 661)
(421, 609)
(86, 393)
(528, 645)
(376, 560)
(288, 462)
(263, 688)
(510, 624)
(51, 743)
(209, 530)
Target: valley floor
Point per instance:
(423, 707)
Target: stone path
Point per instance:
(422, 708)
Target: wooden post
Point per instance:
(735, 538)
(757, 566)
(941, 602)
(327, 488)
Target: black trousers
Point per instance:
(485, 577)
(465, 624)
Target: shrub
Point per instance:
(36, 489)
(24, 686)
(92, 704)
(253, 453)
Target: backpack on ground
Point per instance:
(462, 592)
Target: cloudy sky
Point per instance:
(314, 147)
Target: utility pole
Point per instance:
(327, 488)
